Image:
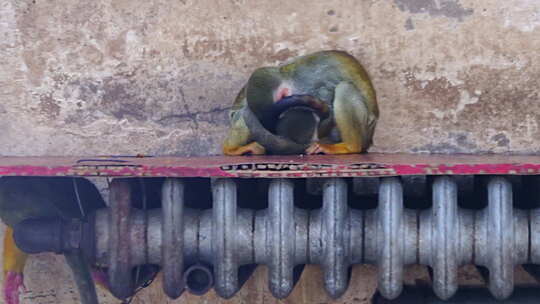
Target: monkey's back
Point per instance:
(319, 73)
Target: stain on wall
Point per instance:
(435, 8)
(158, 77)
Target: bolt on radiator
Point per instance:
(282, 236)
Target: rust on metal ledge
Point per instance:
(371, 164)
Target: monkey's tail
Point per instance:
(272, 142)
(308, 101)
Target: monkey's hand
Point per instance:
(239, 141)
(253, 148)
(339, 148)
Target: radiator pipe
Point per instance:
(199, 279)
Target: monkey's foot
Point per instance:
(253, 148)
(13, 283)
(339, 148)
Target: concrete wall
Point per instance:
(157, 77)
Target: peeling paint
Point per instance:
(48, 106)
(435, 8)
(525, 16)
(455, 143)
(501, 139)
(409, 24)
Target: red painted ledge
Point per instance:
(268, 166)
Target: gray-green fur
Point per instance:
(353, 114)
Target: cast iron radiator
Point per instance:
(353, 221)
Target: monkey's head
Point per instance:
(265, 87)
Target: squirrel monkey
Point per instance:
(318, 103)
(29, 197)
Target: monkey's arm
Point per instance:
(248, 135)
(354, 120)
(238, 139)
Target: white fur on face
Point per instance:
(283, 90)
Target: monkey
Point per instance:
(271, 110)
(26, 197)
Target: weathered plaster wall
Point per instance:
(157, 77)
